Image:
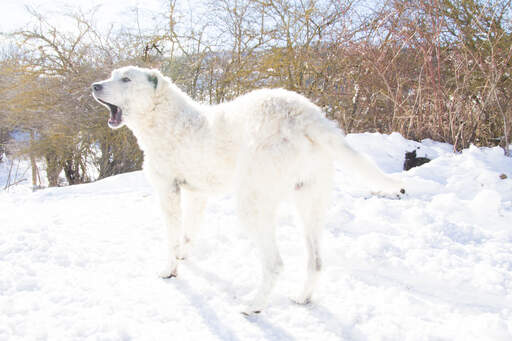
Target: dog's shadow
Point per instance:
(333, 323)
(211, 277)
(207, 313)
(270, 330)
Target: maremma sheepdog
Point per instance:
(265, 146)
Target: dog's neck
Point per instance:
(174, 115)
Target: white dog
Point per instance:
(265, 146)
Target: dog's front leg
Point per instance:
(193, 206)
(170, 198)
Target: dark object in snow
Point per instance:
(503, 176)
(412, 161)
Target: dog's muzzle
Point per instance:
(116, 114)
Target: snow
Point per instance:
(81, 262)
(20, 174)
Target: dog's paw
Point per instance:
(390, 188)
(255, 307)
(249, 312)
(395, 195)
(301, 300)
(168, 272)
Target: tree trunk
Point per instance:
(53, 168)
(33, 161)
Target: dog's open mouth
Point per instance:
(116, 114)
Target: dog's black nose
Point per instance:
(97, 87)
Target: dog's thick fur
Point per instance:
(265, 146)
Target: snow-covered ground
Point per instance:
(81, 262)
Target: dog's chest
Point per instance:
(205, 168)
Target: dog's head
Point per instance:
(129, 92)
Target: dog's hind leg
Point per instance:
(312, 199)
(257, 212)
(193, 205)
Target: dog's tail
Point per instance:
(333, 140)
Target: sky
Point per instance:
(13, 14)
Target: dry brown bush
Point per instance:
(427, 69)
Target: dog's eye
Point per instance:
(126, 80)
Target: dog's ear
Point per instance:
(156, 79)
(153, 78)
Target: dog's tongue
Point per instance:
(115, 117)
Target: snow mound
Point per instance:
(81, 262)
